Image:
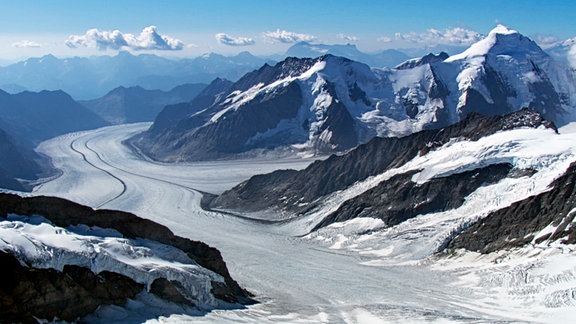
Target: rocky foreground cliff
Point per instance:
(62, 260)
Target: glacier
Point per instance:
(354, 272)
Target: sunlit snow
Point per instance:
(354, 272)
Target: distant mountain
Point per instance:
(61, 261)
(28, 118)
(563, 51)
(427, 59)
(92, 77)
(422, 51)
(331, 104)
(136, 104)
(388, 58)
(37, 116)
(13, 88)
(17, 162)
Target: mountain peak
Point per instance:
(503, 30)
(426, 59)
(500, 41)
(245, 54)
(124, 54)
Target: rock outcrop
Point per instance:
(522, 222)
(298, 192)
(399, 198)
(64, 213)
(28, 294)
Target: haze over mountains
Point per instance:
(87, 78)
(136, 104)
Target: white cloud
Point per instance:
(348, 38)
(454, 36)
(384, 39)
(149, 39)
(287, 37)
(546, 41)
(26, 44)
(569, 42)
(226, 39)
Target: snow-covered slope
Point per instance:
(331, 104)
(300, 192)
(52, 233)
(40, 244)
(538, 156)
(313, 104)
(525, 76)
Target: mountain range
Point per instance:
(447, 184)
(87, 78)
(388, 58)
(437, 157)
(299, 192)
(331, 104)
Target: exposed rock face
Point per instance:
(216, 140)
(399, 199)
(519, 223)
(64, 213)
(170, 290)
(28, 294)
(299, 191)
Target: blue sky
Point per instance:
(35, 28)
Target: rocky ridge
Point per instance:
(55, 291)
(298, 192)
(545, 217)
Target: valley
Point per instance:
(352, 168)
(295, 279)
